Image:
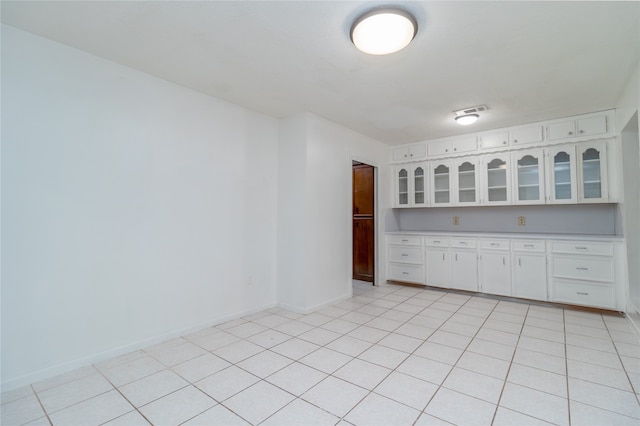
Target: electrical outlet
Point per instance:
(521, 221)
(456, 220)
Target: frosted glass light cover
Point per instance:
(467, 119)
(384, 31)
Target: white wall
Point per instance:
(314, 233)
(132, 209)
(629, 156)
(330, 150)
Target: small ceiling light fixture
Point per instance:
(469, 115)
(383, 31)
(467, 119)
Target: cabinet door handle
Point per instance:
(570, 133)
(443, 257)
(582, 268)
(519, 261)
(456, 257)
(582, 293)
(504, 142)
(515, 141)
(503, 261)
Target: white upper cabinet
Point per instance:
(410, 185)
(581, 127)
(494, 140)
(496, 179)
(592, 126)
(527, 135)
(528, 177)
(561, 130)
(441, 184)
(451, 147)
(465, 182)
(561, 185)
(406, 153)
(592, 172)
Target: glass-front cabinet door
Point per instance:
(528, 177)
(561, 175)
(496, 179)
(592, 160)
(402, 186)
(419, 190)
(441, 184)
(466, 182)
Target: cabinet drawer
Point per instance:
(582, 247)
(588, 294)
(406, 272)
(528, 246)
(436, 241)
(403, 240)
(463, 242)
(494, 244)
(583, 268)
(410, 254)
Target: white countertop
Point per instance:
(511, 235)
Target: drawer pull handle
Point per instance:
(495, 245)
(528, 245)
(405, 241)
(404, 255)
(405, 273)
(581, 248)
(582, 268)
(582, 293)
(436, 242)
(463, 243)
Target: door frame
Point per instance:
(376, 219)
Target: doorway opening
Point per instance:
(363, 221)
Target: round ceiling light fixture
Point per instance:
(383, 31)
(467, 119)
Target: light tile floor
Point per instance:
(391, 355)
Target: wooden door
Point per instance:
(363, 222)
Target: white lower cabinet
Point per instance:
(583, 273)
(464, 264)
(406, 258)
(529, 262)
(495, 267)
(578, 272)
(438, 266)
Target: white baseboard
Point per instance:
(66, 367)
(308, 310)
(633, 315)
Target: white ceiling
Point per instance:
(527, 61)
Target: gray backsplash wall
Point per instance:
(594, 219)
